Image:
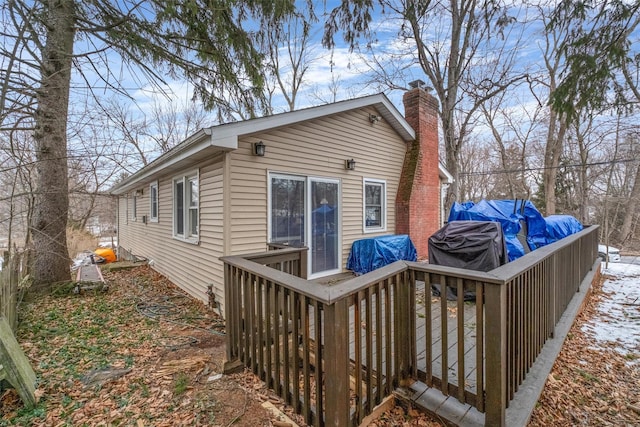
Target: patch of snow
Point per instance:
(622, 270)
(108, 242)
(616, 324)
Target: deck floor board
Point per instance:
(469, 313)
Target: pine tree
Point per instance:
(212, 43)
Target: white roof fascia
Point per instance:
(226, 136)
(192, 145)
(445, 175)
(380, 101)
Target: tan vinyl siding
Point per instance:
(191, 266)
(122, 216)
(315, 148)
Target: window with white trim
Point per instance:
(153, 201)
(186, 207)
(374, 205)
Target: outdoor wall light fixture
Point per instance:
(350, 165)
(259, 149)
(373, 118)
(138, 193)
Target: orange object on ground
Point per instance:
(107, 253)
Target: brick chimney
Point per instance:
(418, 199)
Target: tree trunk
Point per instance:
(453, 191)
(49, 221)
(630, 211)
(583, 196)
(553, 149)
(452, 157)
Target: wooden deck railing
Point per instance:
(334, 352)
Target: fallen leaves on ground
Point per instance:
(145, 354)
(141, 354)
(591, 383)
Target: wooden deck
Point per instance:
(436, 308)
(452, 313)
(469, 316)
(361, 339)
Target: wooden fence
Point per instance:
(13, 271)
(334, 352)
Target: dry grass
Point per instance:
(80, 240)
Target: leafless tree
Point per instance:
(476, 171)
(588, 140)
(557, 123)
(631, 215)
(513, 124)
(631, 73)
(290, 56)
(44, 41)
(16, 192)
(465, 48)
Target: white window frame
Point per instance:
(307, 180)
(308, 224)
(187, 207)
(154, 186)
(293, 177)
(383, 208)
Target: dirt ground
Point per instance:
(144, 354)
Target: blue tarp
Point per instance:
(561, 226)
(511, 214)
(496, 211)
(370, 254)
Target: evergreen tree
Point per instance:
(212, 43)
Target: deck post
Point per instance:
(231, 308)
(336, 362)
(302, 263)
(496, 353)
(405, 338)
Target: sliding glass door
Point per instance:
(305, 211)
(324, 225)
(287, 210)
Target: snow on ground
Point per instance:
(617, 322)
(108, 242)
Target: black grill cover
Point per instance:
(474, 245)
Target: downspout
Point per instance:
(118, 227)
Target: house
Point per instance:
(322, 177)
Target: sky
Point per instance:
(525, 38)
(351, 68)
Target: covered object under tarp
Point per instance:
(370, 254)
(561, 226)
(474, 245)
(509, 213)
(524, 227)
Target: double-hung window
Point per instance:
(375, 205)
(153, 201)
(186, 207)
